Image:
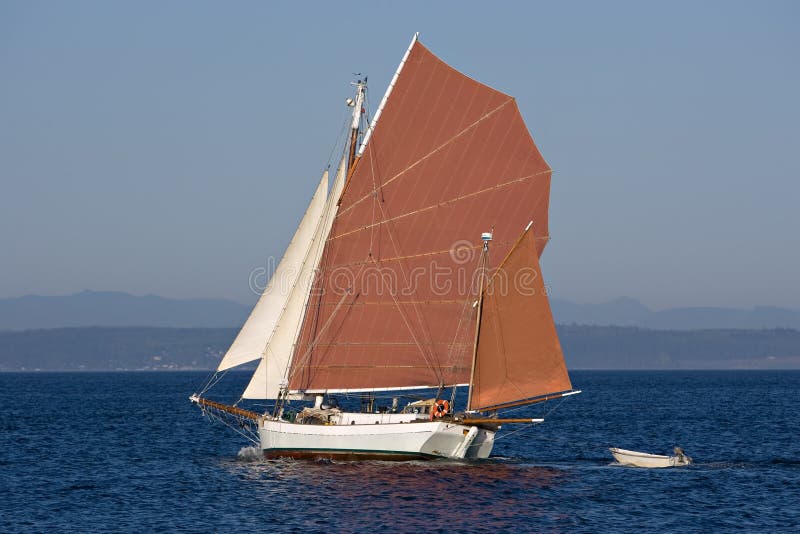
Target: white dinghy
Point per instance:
(644, 459)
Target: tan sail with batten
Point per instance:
(518, 355)
(395, 291)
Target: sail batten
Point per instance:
(445, 202)
(449, 158)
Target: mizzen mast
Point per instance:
(486, 238)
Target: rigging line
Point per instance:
(213, 381)
(497, 242)
(436, 150)
(376, 188)
(318, 248)
(374, 200)
(367, 120)
(453, 345)
(529, 426)
(339, 139)
(310, 253)
(414, 307)
(544, 416)
(313, 343)
(248, 435)
(411, 330)
(319, 272)
(203, 385)
(379, 203)
(444, 203)
(279, 322)
(319, 279)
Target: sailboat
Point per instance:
(413, 276)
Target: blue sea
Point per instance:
(127, 452)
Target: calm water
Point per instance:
(128, 452)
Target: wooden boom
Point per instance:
(225, 408)
(495, 421)
(529, 401)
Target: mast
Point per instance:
(486, 237)
(358, 109)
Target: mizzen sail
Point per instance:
(391, 307)
(518, 353)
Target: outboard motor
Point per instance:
(681, 456)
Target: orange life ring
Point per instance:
(440, 408)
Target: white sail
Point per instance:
(266, 381)
(251, 342)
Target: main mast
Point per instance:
(345, 169)
(358, 110)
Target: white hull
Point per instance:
(376, 436)
(643, 459)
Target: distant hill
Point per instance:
(630, 312)
(113, 349)
(617, 347)
(110, 308)
(106, 308)
(585, 347)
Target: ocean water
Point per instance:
(127, 452)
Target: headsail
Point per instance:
(251, 342)
(518, 353)
(449, 158)
(274, 366)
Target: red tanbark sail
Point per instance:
(392, 302)
(518, 353)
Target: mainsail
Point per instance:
(392, 304)
(518, 355)
(251, 342)
(273, 368)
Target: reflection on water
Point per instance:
(472, 492)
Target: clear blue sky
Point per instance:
(171, 147)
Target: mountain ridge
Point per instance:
(626, 311)
(120, 309)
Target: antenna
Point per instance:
(486, 237)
